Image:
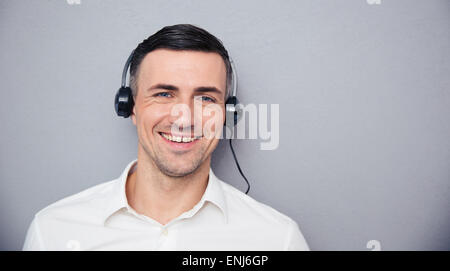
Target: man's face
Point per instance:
(169, 83)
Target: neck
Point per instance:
(162, 197)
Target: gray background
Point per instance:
(364, 94)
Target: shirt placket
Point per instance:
(167, 239)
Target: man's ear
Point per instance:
(133, 115)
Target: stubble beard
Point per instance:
(169, 168)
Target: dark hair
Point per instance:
(179, 37)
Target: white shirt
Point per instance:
(99, 218)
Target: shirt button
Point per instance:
(165, 232)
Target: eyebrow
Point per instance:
(196, 90)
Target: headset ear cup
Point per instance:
(231, 110)
(123, 103)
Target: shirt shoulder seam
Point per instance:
(289, 234)
(38, 232)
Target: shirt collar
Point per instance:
(118, 200)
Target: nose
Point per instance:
(186, 116)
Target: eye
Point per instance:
(162, 94)
(207, 99)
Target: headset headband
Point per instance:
(126, 68)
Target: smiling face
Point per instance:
(175, 89)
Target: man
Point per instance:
(169, 198)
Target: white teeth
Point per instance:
(178, 138)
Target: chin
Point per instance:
(176, 170)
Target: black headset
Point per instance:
(124, 103)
